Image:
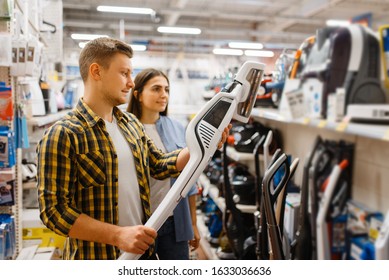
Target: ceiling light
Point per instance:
(259, 53)
(126, 10)
(82, 44)
(227, 51)
(140, 48)
(334, 22)
(179, 30)
(76, 36)
(243, 45)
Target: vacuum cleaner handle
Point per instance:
(204, 132)
(280, 210)
(258, 172)
(266, 149)
(269, 197)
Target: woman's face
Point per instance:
(155, 95)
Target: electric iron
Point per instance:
(204, 132)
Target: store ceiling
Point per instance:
(275, 23)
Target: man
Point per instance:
(94, 165)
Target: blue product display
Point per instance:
(7, 147)
(7, 236)
(339, 234)
(362, 249)
(385, 41)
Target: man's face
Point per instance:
(116, 80)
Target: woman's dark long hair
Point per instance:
(140, 81)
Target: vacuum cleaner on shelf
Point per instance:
(204, 132)
(343, 57)
(273, 203)
(302, 247)
(323, 239)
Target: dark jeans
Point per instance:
(167, 247)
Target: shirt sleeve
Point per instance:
(193, 190)
(56, 175)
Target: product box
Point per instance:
(292, 206)
(362, 248)
(7, 236)
(6, 103)
(36, 233)
(360, 217)
(7, 147)
(339, 236)
(7, 188)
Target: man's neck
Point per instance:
(101, 108)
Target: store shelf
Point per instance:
(240, 157)
(29, 185)
(374, 131)
(208, 250)
(213, 193)
(44, 120)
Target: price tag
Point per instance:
(306, 120)
(386, 135)
(341, 127)
(322, 124)
(295, 100)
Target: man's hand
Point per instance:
(135, 239)
(225, 134)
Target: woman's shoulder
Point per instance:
(171, 121)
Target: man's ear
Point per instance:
(94, 71)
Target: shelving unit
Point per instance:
(373, 131)
(24, 26)
(209, 251)
(370, 166)
(213, 193)
(47, 119)
(15, 210)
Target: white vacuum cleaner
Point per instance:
(203, 134)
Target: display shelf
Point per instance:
(29, 185)
(213, 193)
(374, 131)
(44, 120)
(237, 156)
(208, 250)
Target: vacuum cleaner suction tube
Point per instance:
(203, 134)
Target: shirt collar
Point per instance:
(92, 118)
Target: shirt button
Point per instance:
(115, 155)
(116, 179)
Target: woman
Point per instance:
(149, 102)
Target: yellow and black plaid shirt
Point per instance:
(78, 173)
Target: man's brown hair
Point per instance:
(101, 51)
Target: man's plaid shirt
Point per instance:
(78, 173)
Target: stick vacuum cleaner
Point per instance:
(203, 134)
